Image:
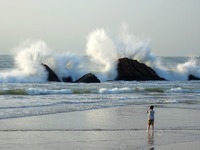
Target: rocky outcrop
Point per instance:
(129, 70)
(51, 74)
(88, 78)
(192, 77)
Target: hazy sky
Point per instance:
(172, 25)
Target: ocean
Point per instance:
(25, 91)
(22, 96)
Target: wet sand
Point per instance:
(121, 128)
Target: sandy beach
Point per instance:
(117, 128)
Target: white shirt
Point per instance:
(151, 114)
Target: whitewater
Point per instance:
(25, 91)
(100, 58)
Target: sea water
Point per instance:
(25, 91)
(20, 99)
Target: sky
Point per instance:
(173, 26)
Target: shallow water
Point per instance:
(27, 99)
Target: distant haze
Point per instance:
(173, 26)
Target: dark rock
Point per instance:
(51, 74)
(88, 78)
(192, 77)
(129, 70)
(67, 79)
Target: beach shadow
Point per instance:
(151, 141)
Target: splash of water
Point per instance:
(105, 50)
(101, 57)
(180, 72)
(28, 65)
(102, 49)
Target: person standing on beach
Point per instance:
(150, 113)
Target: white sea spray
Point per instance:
(102, 52)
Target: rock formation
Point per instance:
(129, 70)
(192, 77)
(88, 78)
(51, 74)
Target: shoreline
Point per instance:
(108, 128)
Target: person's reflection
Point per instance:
(151, 141)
